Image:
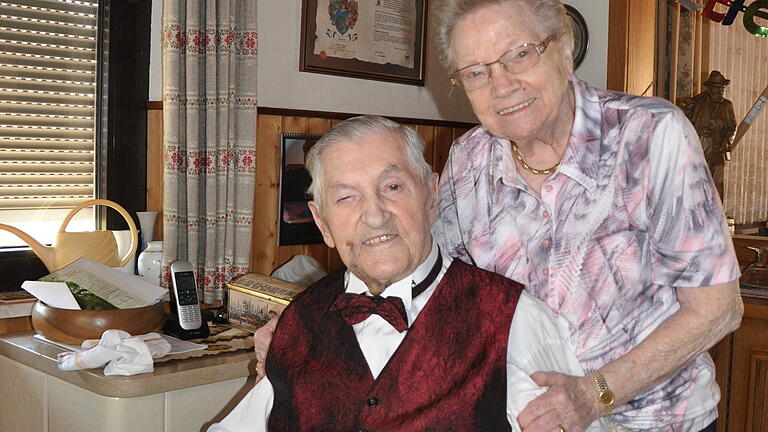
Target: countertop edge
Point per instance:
(175, 375)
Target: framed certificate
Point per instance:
(371, 39)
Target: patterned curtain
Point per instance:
(209, 132)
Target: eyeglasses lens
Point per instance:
(516, 60)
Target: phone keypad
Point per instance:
(189, 313)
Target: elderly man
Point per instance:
(406, 339)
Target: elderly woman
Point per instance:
(602, 205)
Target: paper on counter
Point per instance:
(145, 292)
(54, 294)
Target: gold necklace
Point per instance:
(527, 167)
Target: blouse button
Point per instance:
(545, 214)
(545, 243)
(548, 188)
(545, 271)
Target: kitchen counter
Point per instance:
(168, 376)
(182, 394)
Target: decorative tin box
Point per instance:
(255, 298)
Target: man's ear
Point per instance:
(433, 197)
(327, 237)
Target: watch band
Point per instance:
(605, 396)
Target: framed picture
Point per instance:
(373, 39)
(296, 226)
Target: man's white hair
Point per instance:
(356, 129)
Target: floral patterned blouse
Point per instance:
(630, 214)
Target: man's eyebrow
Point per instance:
(340, 186)
(390, 170)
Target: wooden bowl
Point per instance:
(75, 326)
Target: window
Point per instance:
(48, 116)
(113, 36)
(743, 58)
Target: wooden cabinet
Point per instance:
(748, 401)
(741, 360)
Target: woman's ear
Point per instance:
(565, 43)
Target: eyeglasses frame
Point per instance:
(540, 47)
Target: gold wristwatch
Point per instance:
(604, 395)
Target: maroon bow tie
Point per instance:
(355, 308)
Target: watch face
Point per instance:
(606, 397)
(580, 35)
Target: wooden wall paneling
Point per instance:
(155, 162)
(631, 45)
(618, 28)
(264, 236)
(428, 135)
(641, 40)
(443, 141)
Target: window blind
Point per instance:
(48, 81)
(743, 58)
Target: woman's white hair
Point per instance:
(550, 15)
(356, 129)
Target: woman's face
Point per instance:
(523, 106)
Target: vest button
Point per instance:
(372, 401)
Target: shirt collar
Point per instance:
(580, 161)
(401, 288)
(582, 157)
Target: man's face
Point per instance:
(716, 91)
(375, 210)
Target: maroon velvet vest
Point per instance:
(448, 374)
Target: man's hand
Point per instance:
(261, 340)
(570, 402)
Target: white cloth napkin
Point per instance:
(122, 353)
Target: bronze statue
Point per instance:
(714, 120)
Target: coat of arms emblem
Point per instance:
(343, 14)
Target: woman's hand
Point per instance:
(570, 403)
(261, 340)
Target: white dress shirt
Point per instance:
(538, 341)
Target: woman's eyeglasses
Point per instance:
(516, 60)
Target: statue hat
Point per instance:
(716, 79)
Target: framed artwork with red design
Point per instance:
(380, 40)
(296, 226)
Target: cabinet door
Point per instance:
(721, 354)
(749, 373)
